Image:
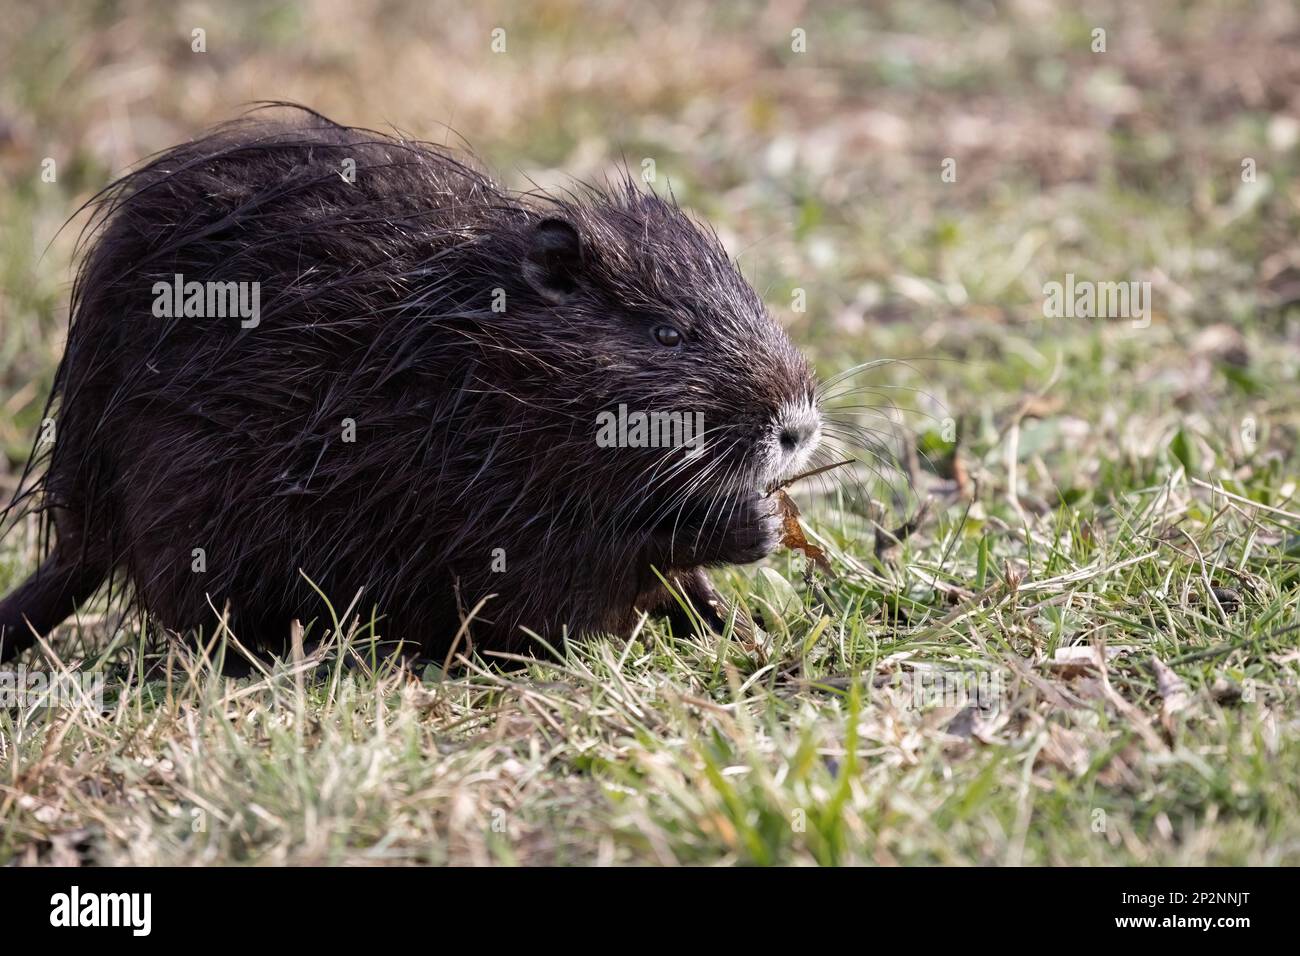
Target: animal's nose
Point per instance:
(796, 428)
(792, 436)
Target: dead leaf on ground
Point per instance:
(1225, 691)
(1228, 598)
(1079, 659)
(1173, 693)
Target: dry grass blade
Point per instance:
(781, 485)
(891, 539)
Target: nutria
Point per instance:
(390, 381)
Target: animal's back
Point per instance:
(201, 452)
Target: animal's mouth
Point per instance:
(739, 521)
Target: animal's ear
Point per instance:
(553, 263)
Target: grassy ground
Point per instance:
(1110, 556)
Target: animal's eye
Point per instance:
(667, 336)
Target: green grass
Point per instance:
(1071, 594)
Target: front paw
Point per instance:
(752, 532)
(715, 530)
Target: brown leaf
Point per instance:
(792, 533)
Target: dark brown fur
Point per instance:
(474, 428)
